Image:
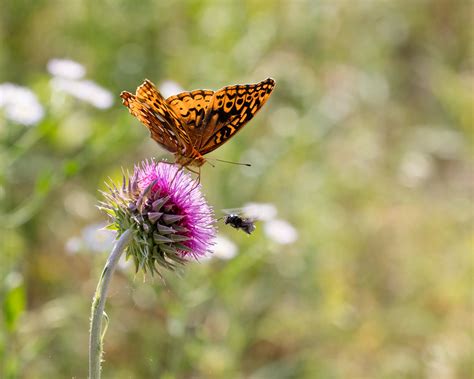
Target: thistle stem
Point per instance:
(98, 304)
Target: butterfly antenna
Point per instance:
(236, 163)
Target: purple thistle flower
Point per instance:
(170, 218)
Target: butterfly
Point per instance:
(192, 124)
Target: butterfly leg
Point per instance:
(180, 168)
(197, 181)
(198, 173)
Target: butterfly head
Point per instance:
(194, 161)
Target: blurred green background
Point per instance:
(364, 149)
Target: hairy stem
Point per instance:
(98, 304)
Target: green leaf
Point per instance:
(44, 182)
(70, 167)
(14, 301)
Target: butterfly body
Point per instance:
(192, 124)
(242, 223)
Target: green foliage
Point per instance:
(13, 301)
(364, 147)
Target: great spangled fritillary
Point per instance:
(192, 124)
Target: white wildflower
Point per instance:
(66, 68)
(224, 248)
(169, 88)
(260, 211)
(280, 231)
(85, 90)
(20, 104)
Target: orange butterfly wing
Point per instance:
(212, 118)
(153, 111)
(191, 108)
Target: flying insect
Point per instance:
(238, 222)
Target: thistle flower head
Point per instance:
(170, 219)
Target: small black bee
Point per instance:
(242, 223)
